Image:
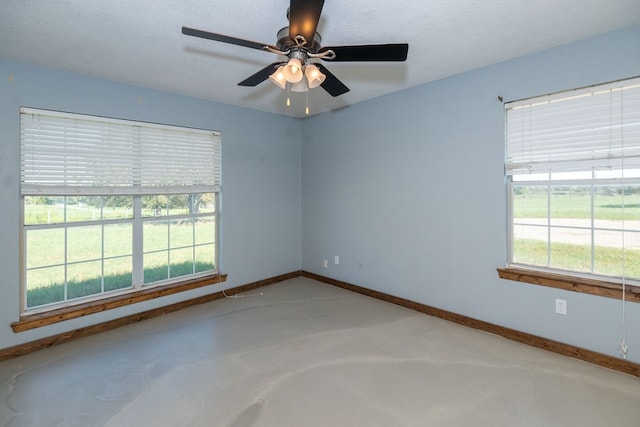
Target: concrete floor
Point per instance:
(308, 354)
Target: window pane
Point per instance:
(531, 177)
(205, 203)
(205, 230)
(608, 206)
(534, 251)
(571, 249)
(117, 273)
(564, 176)
(530, 202)
(118, 239)
(205, 256)
(617, 173)
(570, 202)
(632, 207)
(153, 206)
(117, 207)
(84, 243)
(608, 253)
(45, 247)
(43, 210)
(156, 266)
(528, 232)
(181, 234)
(612, 205)
(45, 286)
(155, 236)
(179, 204)
(83, 208)
(84, 279)
(181, 262)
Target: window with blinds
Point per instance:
(573, 169)
(114, 205)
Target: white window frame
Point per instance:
(66, 154)
(586, 137)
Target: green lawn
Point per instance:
(76, 289)
(534, 205)
(54, 214)
(168, 253)
(607, 261)
(575, 203)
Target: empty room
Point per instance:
(319, 213)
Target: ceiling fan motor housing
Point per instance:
(285, 43)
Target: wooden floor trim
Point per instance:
(593, 357)
(512, 334)
(22, 349)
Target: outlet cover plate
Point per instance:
(561, 306)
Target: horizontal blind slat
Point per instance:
(576, 130)
(70, 153)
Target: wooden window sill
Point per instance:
(571, 283)
(32, 321)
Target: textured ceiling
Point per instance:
(140, 41)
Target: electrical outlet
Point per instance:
(561, 306)
(336, 259)
(325, 263)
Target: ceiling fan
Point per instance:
(300, 43)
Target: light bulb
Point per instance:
(293, 71)
(306, 111)
(314, 76)
(278, 77)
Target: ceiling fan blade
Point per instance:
(225, 39)
(261, 75)
(369, 52)
(331, 83)
(303, 19)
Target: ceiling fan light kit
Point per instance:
(300, 42)
(314, 76)
(293, 71)
(301, 86)
(278, 78)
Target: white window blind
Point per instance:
(585, 129)
(69, 154)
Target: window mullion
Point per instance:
(66, 250)
(137, 275)
(593, 224)
(549, 225)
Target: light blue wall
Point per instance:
(261, 178)
(409, 191)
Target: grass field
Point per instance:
(93, 253)
(578, 205)
(80, 288)
(534, 205)
(607, 261)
